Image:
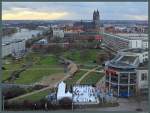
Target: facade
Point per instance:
(61, 92)
(123, 73)
(142, 78)
(81, 94)
(15, 47)
(93, 25)
(84, 94)
(96, 20)
(128, 41)
(58, 33)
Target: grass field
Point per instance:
(75, 77)
(37, 96)
(42, 65)
(32, 76)
(92, 78)
(83, 56)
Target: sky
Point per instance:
(74, 10)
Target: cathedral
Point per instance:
(96, 20)
(93, 25)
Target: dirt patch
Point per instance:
(52, 79)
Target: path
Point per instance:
(89, 71)
(37, 91)
(46, 68)
(101, 71)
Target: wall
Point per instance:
(142, 83)
(7, 49)
(135, 44)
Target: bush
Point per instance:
(13, 92)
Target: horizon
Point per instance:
(74, 20)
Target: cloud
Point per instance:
(33, 15)
(136, 17)
(77, 10)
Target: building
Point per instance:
(127, 73)
(62, 93)
(58, 33)
(81, 94)
(128, 41)
(84, 94)
(142, 78)
(14, 48)
(93, 25)
(96, 20)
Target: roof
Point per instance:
(134, 50)
(120, 65)
(133, 36)
(90, 33)
(13, 41)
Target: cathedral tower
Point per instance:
(96, 20)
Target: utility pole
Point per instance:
(3, 102)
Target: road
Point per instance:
(124, 105)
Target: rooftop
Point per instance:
(13, 41)
(135, 50)
(120, 65)
(133, 36)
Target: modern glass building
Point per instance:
(123, 73)
(120, 79)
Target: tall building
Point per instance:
(96, 20)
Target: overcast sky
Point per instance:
(74, 10)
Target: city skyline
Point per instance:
(74, 10)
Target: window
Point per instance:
(144, 76)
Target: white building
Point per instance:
(81, 94)
(58, 33)
(84, 94)
(136, 40)
(13, 47)
(126, 40)
(61, 92)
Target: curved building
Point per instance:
(122, 73)
(120, 78)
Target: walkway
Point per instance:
(37, 91)
(89, 71)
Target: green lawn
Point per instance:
(37, 96)
(12, 66)
(34, 73)
(48, 60)
(92, 78)
(32, 76)
(83, 56)
(75, 77)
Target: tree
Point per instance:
(100, 58)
